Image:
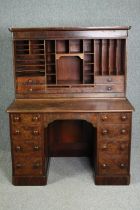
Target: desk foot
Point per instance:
(112, 180)
(29, 180)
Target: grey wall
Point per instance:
(37, 13)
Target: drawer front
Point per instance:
(24, 132)
(119, 132)
(113, 147)
(30, 89)
(27, 147)
(118, 165)
(30, 80)
(115, 117)
(28, 166)
(26, 118)
(109, 88)
(109, 79)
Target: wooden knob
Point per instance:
(30, 80)
(16, 118)
(18, 148)
(123, 131)
(122, 165)
(30, 89)
(109, 79)
(123, 117)
(35, 118)
(17, 132)
(18, 165)
(109, 88)
(104, 165)
(36, 148)
(36, 132)
(36, 165)
(104, 117)
(104, 147)
(122, 147)
(104, 131)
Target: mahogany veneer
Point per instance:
(70, 86)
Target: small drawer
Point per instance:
(28, 166)
(18, 118)
(30, 80)
(21, 133)
(30, 89)
(109, 79)
(113, 147)
(109, 88)
(119, 132)
(115, 117)
(114, 166)
(27, 147)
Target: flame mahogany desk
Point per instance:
(70, 87)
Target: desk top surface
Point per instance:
(70, 105)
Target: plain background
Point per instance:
(39, 13)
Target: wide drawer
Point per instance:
(113, 147)
(115, 117)
(20, 119)
(118, 131)
(109, 88)
(108, 79)
(30, 88)
(30, 80)
(28, 166)
(26, 132)
(27, 147)
(118, 165)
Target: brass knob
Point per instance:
(122, 165)
(123, 131)
(104, 147)
(17, 132)
(18, 148)
(36, 132)
(122, 147)
(30, 80)
(18, 165)
(123, 117)
(36, 165)
(16, 118)
(104, 117)
(36, 148)
(104, 131)
(104, 165)
(109, 79)
(109, 88)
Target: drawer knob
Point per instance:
(18, 165)
(36, 148)
(104, 165)
(109, 88)
(123, 131)
(36, 165)
(104, 147)
(109, 80)
(35, 118)
(123, 117)
(122, 147)
(122, 165)
(17, 132)
(104, 117)
(30, 89)
(30, 80)
(18, 148)
(16, 118)
(36, 132)
(104, 131)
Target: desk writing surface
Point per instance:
(70, 105)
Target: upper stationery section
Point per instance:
(70, 62)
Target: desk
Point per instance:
(30, 148)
